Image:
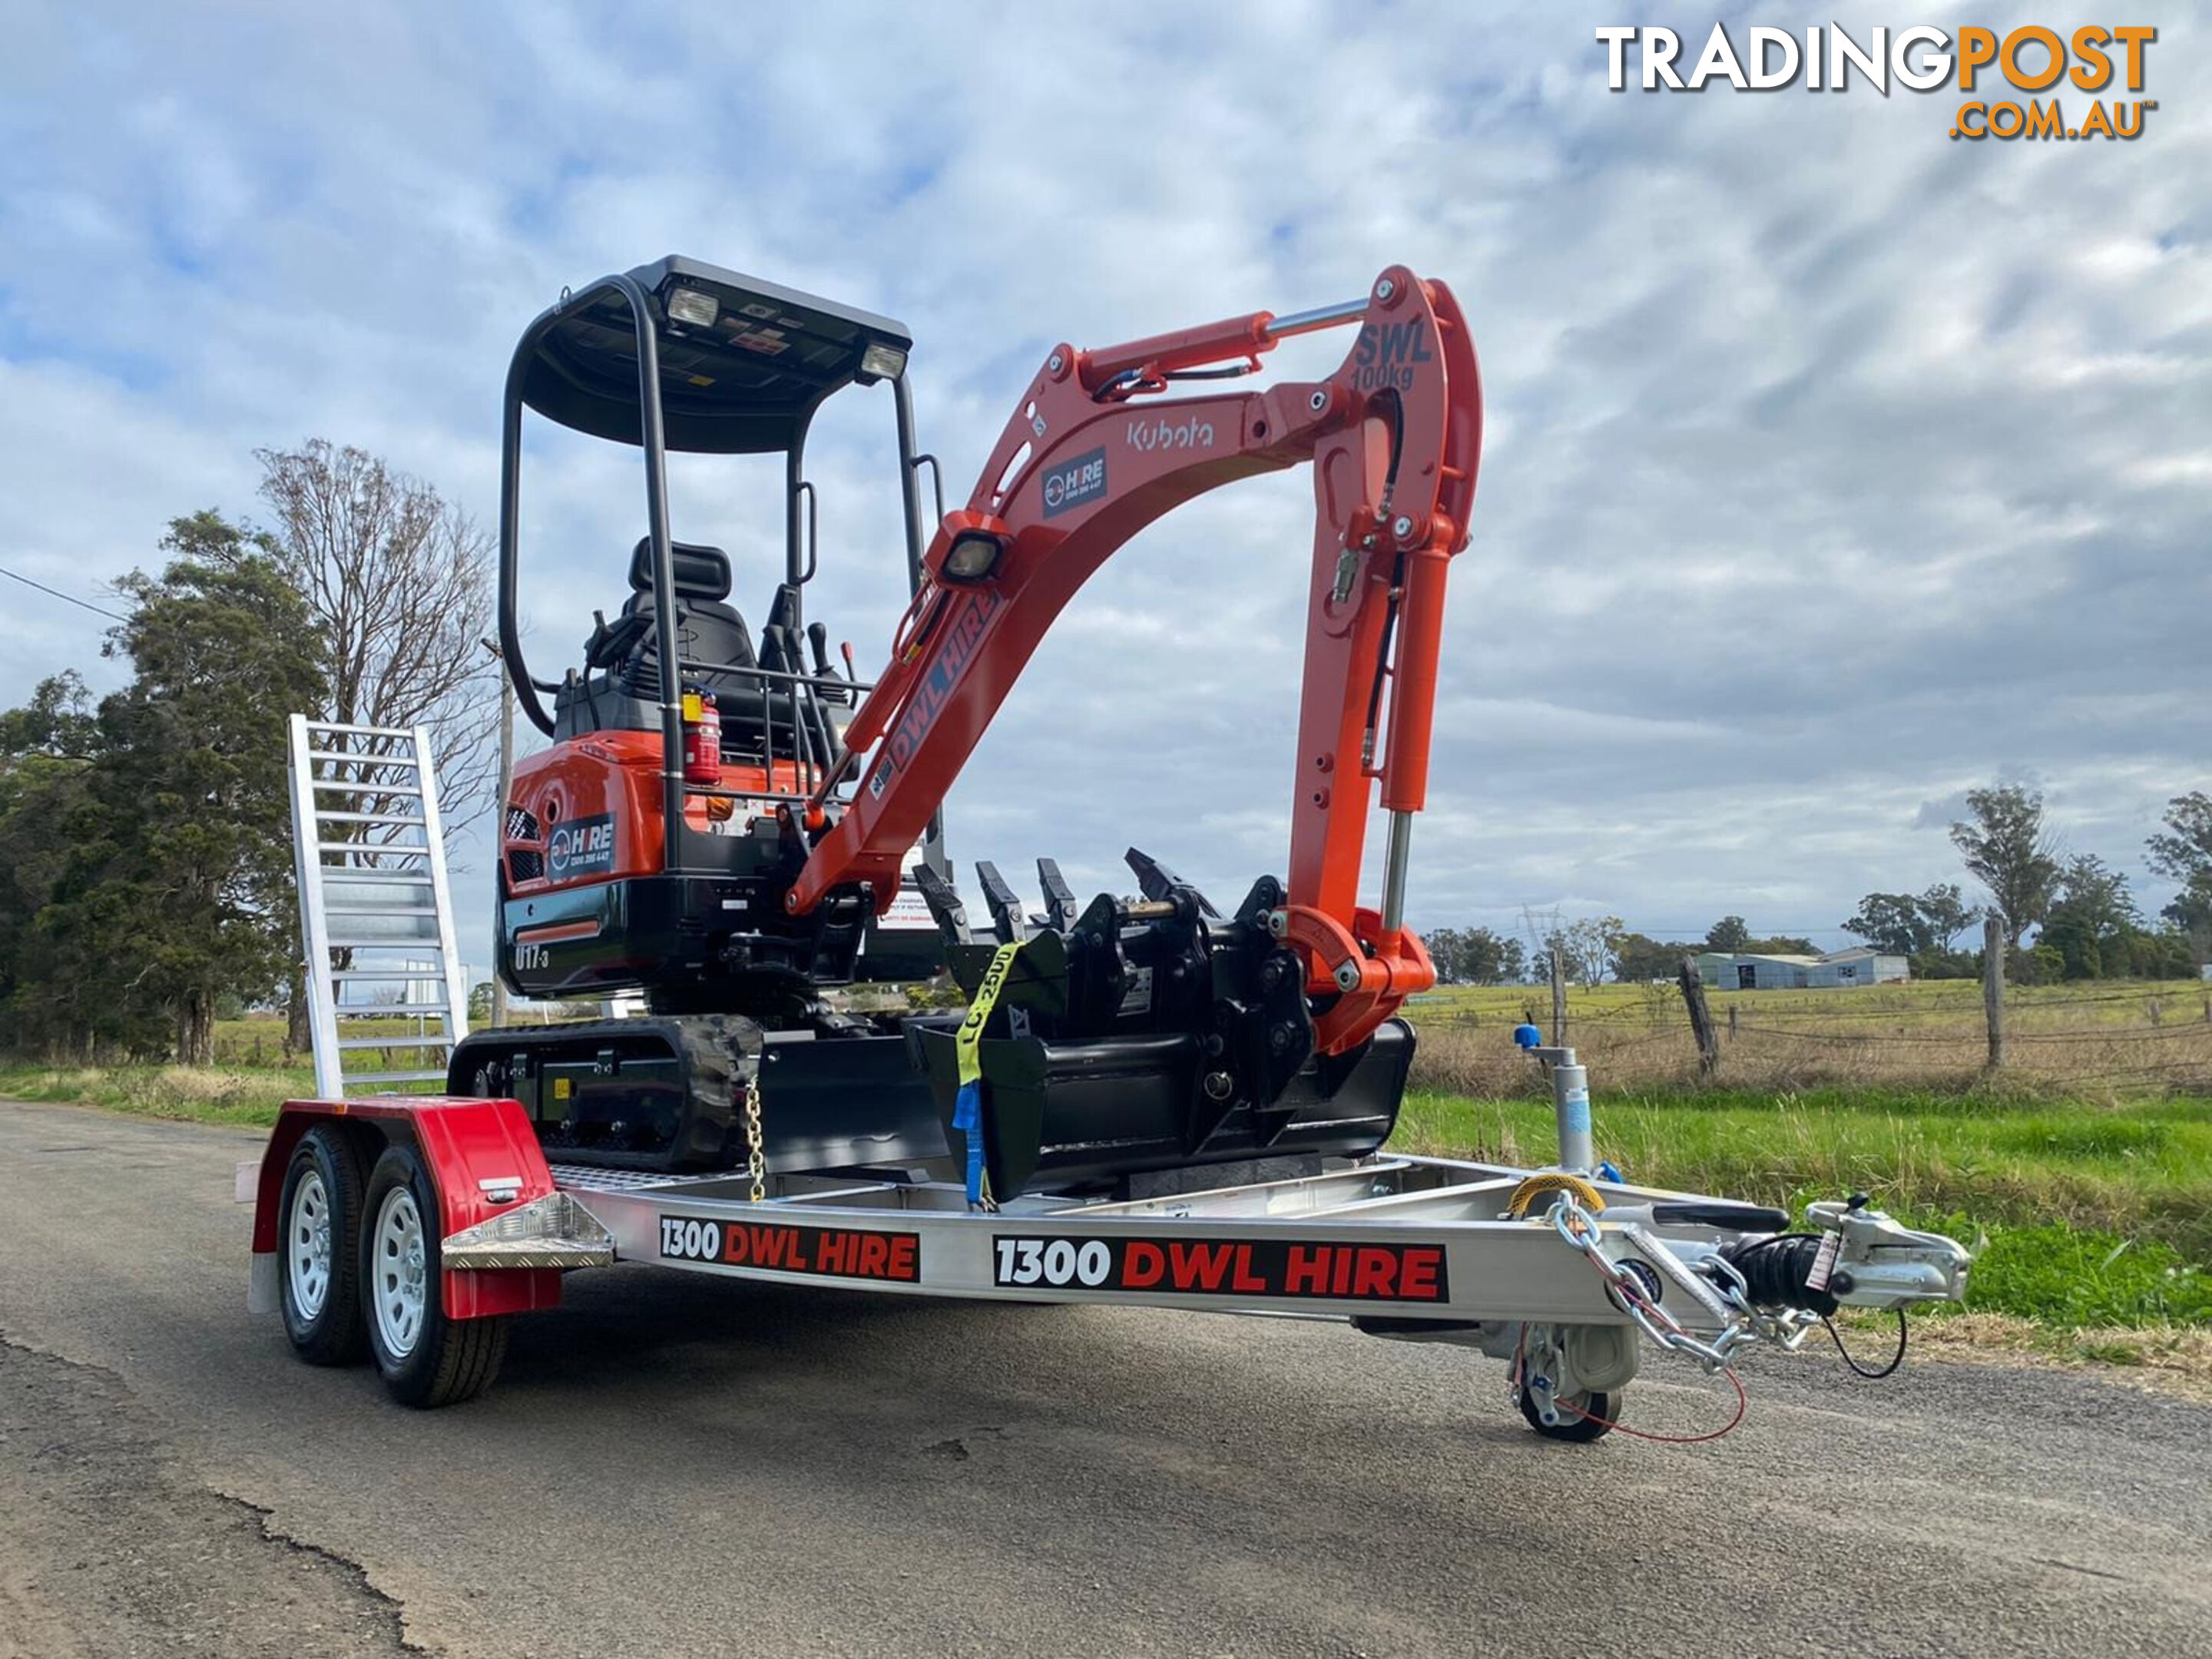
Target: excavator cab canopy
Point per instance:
(686, 356)
(743, 363)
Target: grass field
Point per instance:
(2085, 1169)
(2093, 1215)
(2106, 1041)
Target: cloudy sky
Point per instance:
(1834, 466)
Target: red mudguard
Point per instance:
(467, 1143)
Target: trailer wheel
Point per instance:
(1599, 1412)
(320, 1212)
(426, 1358)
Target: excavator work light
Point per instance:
(883, 362)
(694, 307)
(973, 556)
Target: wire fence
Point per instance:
(2140, 1037)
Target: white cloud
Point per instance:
(1831, 464)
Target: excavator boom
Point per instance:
(724, 826)
(1092, 455)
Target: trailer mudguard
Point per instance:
(484, 1158)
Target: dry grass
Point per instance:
(2164, 1358)
(209, 1094)
(2106, 1040)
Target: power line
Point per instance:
(69, 598)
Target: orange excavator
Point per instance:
(725, 817)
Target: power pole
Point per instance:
(499, 821)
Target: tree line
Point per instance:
(146, 884)
(146, 881)
(2086, 922)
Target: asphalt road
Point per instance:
(672, 1465)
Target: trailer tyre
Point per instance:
(426, 1358)
(320, 1207)
(1602, 1409)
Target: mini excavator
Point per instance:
(725, 816)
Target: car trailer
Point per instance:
(411, 1228)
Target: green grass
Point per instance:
(185, 1093)
(2095, 1211)
(2093, 1215)
(2074, 1279)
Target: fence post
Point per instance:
(1701, 1017)
(1731, 1021)
(1559, 997)
(1993, 980)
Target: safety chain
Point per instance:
(1746, 1325)
(757, 1157)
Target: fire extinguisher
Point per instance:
(702, 739)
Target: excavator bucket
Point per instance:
(1150, 1035)
(1071, 1114)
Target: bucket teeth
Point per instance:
(1006, 918)
(1059, 906)
(943, 899)
(1156, 881)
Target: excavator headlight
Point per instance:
(973, 556)
(882, 362)
(693, 308)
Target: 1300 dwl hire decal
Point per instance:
(829, 1252)
(1342, 1273)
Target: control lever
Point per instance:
(831, 688)
(808, 732)
(609, 645)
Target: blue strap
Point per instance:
(968, 1118)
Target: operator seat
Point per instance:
(708, 631)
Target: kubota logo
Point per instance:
(2030, 58)
(1165, 433)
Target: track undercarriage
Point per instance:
(1137, 1037)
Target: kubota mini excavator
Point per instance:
(724, 816)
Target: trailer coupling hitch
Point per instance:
(1860, 1258)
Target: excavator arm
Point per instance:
(1092, 454)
